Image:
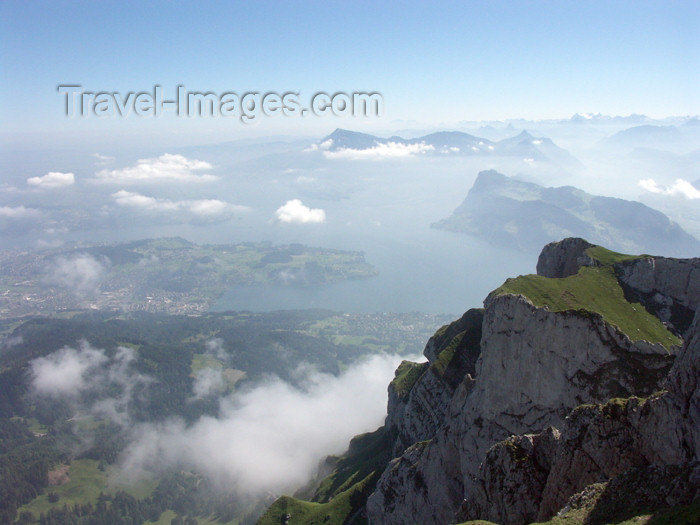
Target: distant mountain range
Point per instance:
(680, 138)
(595, 118)
(524, 215)
(456, 143)
(645, 136)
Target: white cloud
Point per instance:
(206, 206)
(294, 211)
(216, 348)
(53, 179)
(199, 207)
(64, 373)
(272, 437)
(322, 146)
(208, 381)
(137, 200)
(11, 341)
(18, 212)
(166, 168)
(80, 273)
(650, 186)
(680, 187)
(6, 188)
(269, 438)
(90, 380)
(102, 160)
(389, 150)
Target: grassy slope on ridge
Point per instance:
(593, 289)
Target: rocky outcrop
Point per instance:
(418, 416)
(420, 393)
(523, 411)
(602, 442)
(512, 478)
(564, 258)
(669, 288)
(534, 368)
(615, 445)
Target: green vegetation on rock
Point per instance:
(447, 354)
(406, 376)
(605, 256)
(592, 290)
(341, 494)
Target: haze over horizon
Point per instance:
(435, 65)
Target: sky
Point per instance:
(438, 63)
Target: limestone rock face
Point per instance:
(535, 366)
(677, 278)
(512, 478)
(470, 325)
(603, 442)
(564, 258)
(548, 405)
(452, 354)
(419, 416)
(669, 288)
(683, 386)
(654, 437)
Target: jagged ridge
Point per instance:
(491, 426)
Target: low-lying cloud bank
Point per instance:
(197, 207)
(389, 150)
(83, 376)
(680, 187)
(166, 168)
(269, 438)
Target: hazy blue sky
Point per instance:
(439, 62)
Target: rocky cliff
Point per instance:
(564, 394)
(643, 451)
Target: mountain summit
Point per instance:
(524, 215)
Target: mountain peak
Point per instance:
(524, 215)
(487, 179)
(344, 138)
